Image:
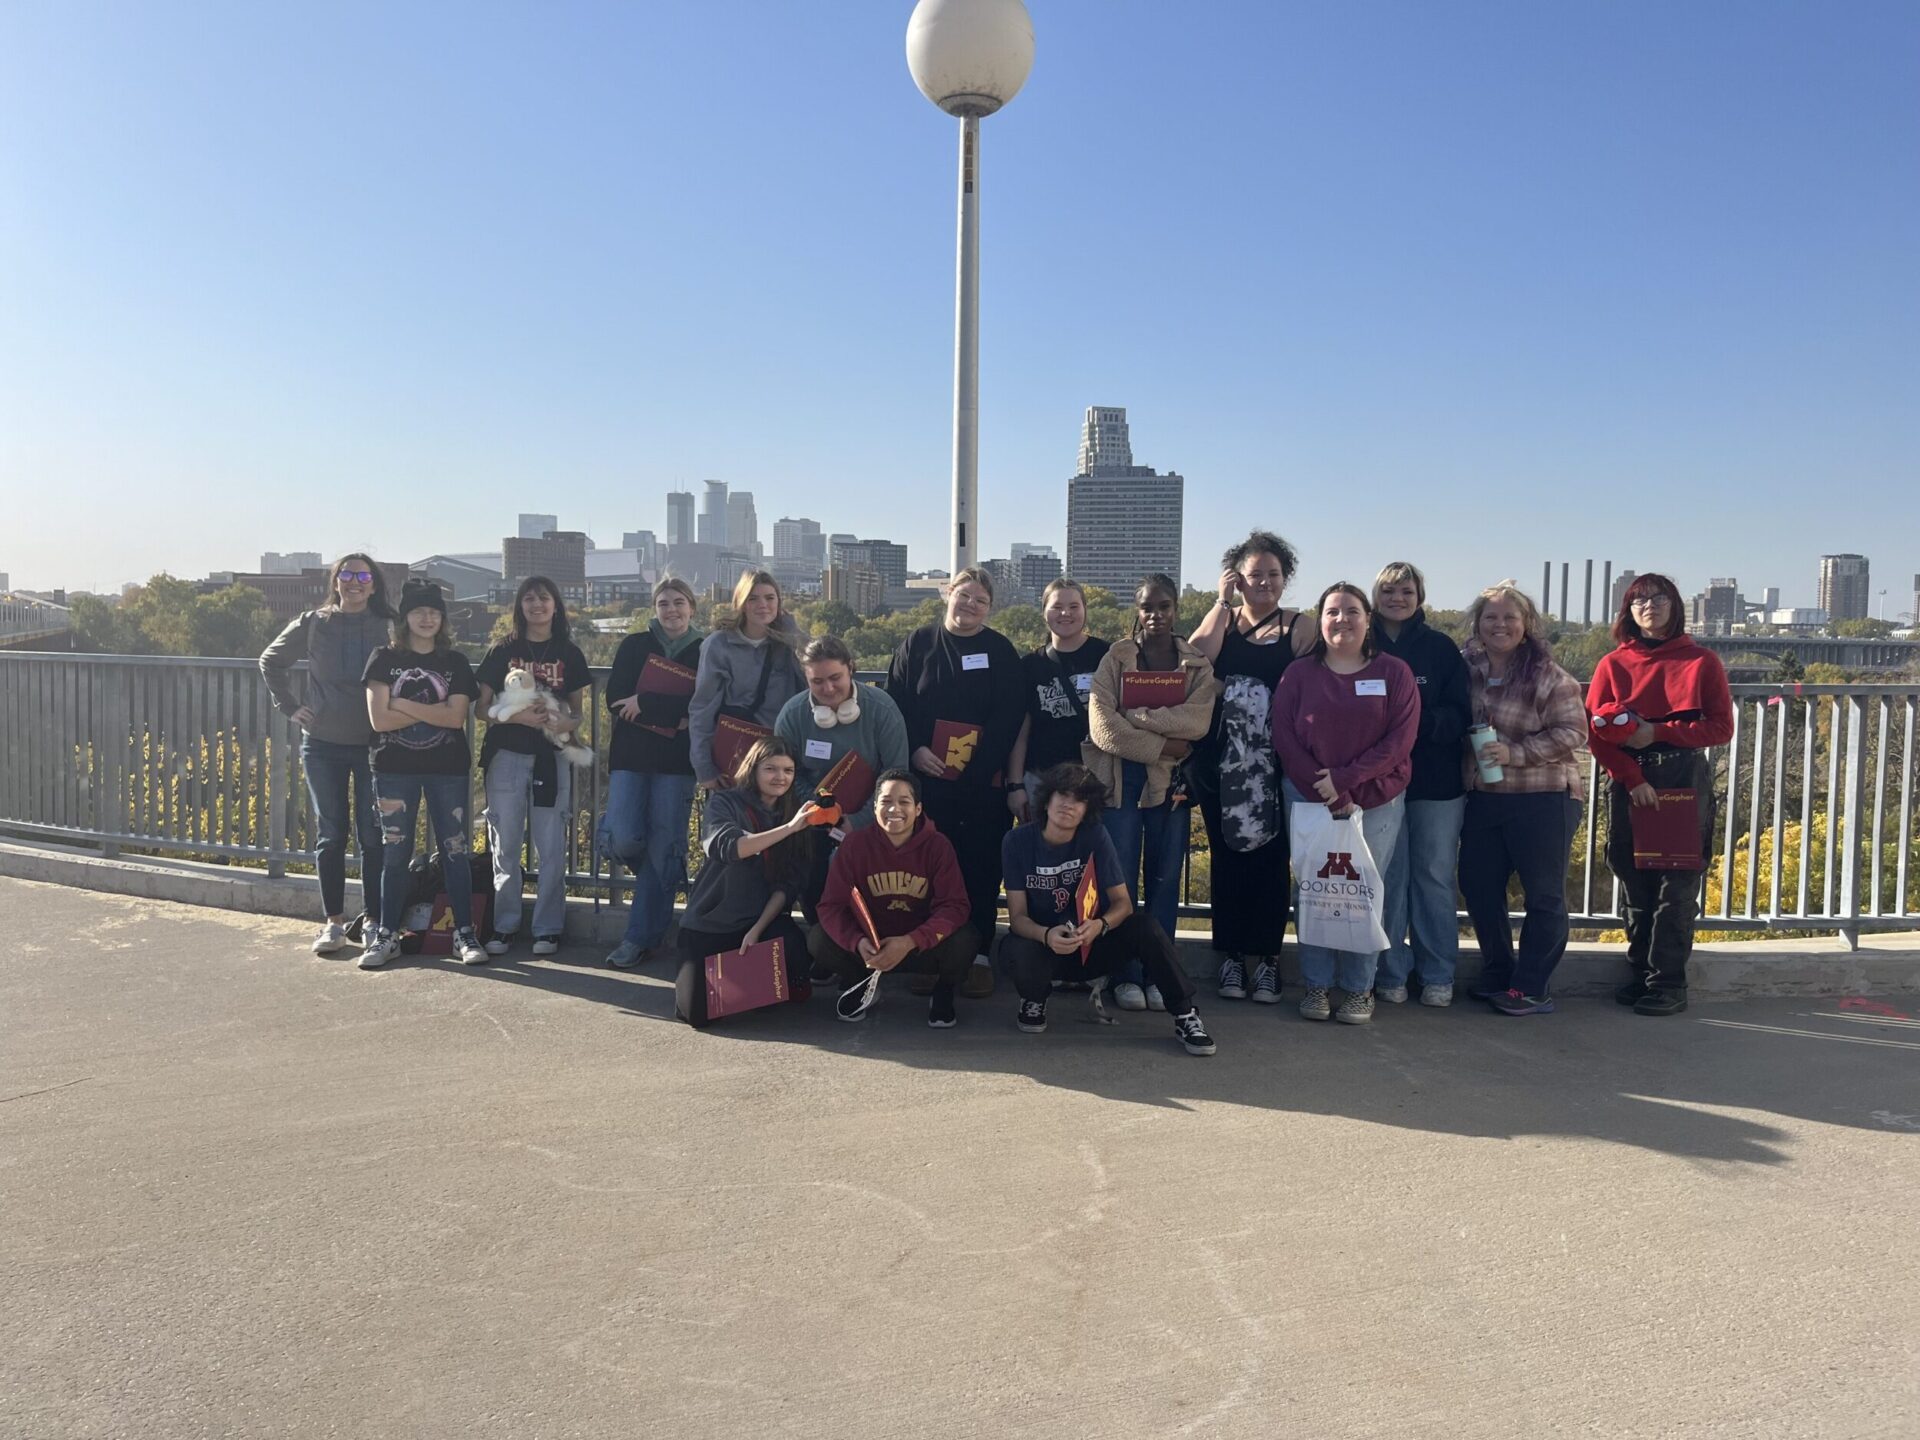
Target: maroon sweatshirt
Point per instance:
(1358, 727)
(913, 889)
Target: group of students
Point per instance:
(994, 771)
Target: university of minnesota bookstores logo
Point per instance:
(1339, 865)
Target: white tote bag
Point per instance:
(1341, 901)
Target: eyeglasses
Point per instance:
(359, 577)
(1650, 602)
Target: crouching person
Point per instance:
(754, 838)
(1044, 862)
(909, 882)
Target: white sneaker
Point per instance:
(1129, 997)
(1391, 994)
(467, 948)
(500, 944)
(1441, 995)
(385, 946)
(547, 946)
(331, 937)
(1266, 983)
(1154, 1002)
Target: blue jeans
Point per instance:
(1421, 885)
(511, 813)
(1352, 970)
(446, 800)
(329, 767)
(1160, 836)
(1529, 835)
(647, 818)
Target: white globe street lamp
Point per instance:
(969, 57)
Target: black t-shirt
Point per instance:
(557, 667)
(1049, 874)
(422, 749)
(1057, 688)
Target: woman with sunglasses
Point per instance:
(1251, 640)
(1657, 705)
(335, 641)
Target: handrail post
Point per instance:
(272, 792)
(1850, 855)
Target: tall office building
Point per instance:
(679, 517)
(797, 539)
(884, 557)
(1912, 618)
(743, 525)
(713, 515)
(560, 555)
(1619, 595)
(645, 546)
(292, 563)
(1843, 586)
(1123, 520)
(532, 527)
(1718, 608)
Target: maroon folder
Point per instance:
(954, 742)
(1667, 836)
(1152, 689)
(663, 691)
(732, 738)
(739, 982)
(849, 784)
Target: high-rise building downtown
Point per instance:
(743, 524)
(532, 527)
(1123, 520)
(1843, 586)
(713, 515)
(679, 517)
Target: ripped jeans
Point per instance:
(399, 799)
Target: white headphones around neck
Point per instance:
(849, 711)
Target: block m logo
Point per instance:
(1339, 865)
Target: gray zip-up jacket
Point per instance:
(335, 646)
(729, 675)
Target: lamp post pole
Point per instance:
(969, 57)
(966, 356)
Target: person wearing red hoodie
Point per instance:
(1657, 704)
(910, 883)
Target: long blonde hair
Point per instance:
(1535, 655)
(749, 582)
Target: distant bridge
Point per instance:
(1848, 654)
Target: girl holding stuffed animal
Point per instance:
(528, 756)
(1657, 705)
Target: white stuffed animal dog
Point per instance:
(520, 693)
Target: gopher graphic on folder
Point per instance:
(954, 742)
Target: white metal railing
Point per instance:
(188, 756)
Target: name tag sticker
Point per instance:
(1370, 687)
(1083, 682)
(974, 662)
(819, 749)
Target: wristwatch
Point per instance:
(1017, 785)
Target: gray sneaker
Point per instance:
(1355, 1009)
(1441, 995)
(1315, 1004)
(1390, 994)
(625, 955)
(384, 947)
(332, 937)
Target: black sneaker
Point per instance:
(1631, 992)
(940, 1008)
(1032, 1017)
(1193, 1034)
(1661, 1002)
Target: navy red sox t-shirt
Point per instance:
(437, 676)
(1049, 874)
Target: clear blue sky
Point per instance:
(1471, 284)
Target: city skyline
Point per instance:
(1473, 279)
